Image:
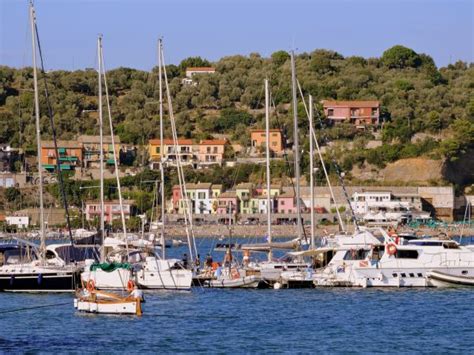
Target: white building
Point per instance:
(190, 72)
(18, 221)
(201, 198)
(381, 206)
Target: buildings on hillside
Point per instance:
(91, 150)
(70, 155)
(359, 113)
(111, 210)
(192, 71)
(205, 153)
(258, 141)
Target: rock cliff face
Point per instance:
(421, 171)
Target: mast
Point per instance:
(114, 153)
(267, 148)
(311, 167)
(101, 143)
(162, 169)
(295, 143)
(38, 133)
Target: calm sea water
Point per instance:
(249, 321)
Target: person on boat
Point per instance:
(209, 261)
(197, 262)
(246, 258)
(185, 260)
(228, 258)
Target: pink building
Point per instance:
(355, 112)
(226, 201)
(286, 203)
(176, 197)
(211, 151)
(111, 210)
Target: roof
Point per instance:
(169, 141)
(286, 194)
(61, 144)
(96, 139)
(206, 69)
(244, 185)
(216, 186)
(257, 130)
(360, 103)
(199, 185)
(228, 194)
(110, 202)
(213, 142)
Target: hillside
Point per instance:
(415, 97)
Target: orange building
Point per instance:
(258, 139)
(70, 155)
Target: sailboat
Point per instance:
(45, 270)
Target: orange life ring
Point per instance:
(391, 249)
(130, 285)
(235, 274)
(215, 265)
(90, 285)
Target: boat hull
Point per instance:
(39, 282)
(105, 307)
(175, 279)
(241, 282)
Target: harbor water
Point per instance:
(248, 321)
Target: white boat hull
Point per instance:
(123, 307)
(114, 280)
(241, 282)
(177, 279)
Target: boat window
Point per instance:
(394, 274)
(50, 255)
(356, 254)
(412, 274)
(407, 254)
(450, 245)
(420, 274)
(403, 275)
(464, 272)
(429, 243)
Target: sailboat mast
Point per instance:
(267, 148)
(295, 144)
(101, 143)
(162, 171)
(311, 168)
(38, 132)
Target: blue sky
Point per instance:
(216, 28)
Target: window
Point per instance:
(274, 143)
(330, 112)
(354, 254)
(157, 150)
(208, 150)
(201, 195)
(282, 203)
(407, 254)
(403, 275)
(411, 274)
(215, 149)
(274, 134)
(374, 112)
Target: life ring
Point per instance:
(397, 239)
(235, 274)
(90, 285)
(130, 285)
(215, 265)
(391, 249)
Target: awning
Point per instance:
(110, 161)
(67, 158)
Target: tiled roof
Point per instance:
(200, 69)
(169, 141)
(213, 142)
(96, 139)
(368, 103)
(61, 144)
(199, 185)
(244, 185)
(258, 130)
(228, 194)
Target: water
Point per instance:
(248, 321)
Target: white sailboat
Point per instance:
(46, 271)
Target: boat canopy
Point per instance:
(109, 267)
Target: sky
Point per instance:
(216, 28)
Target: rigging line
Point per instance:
(325, 138)
(56, 150)
(34, 307)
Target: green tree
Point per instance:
(400, 57)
